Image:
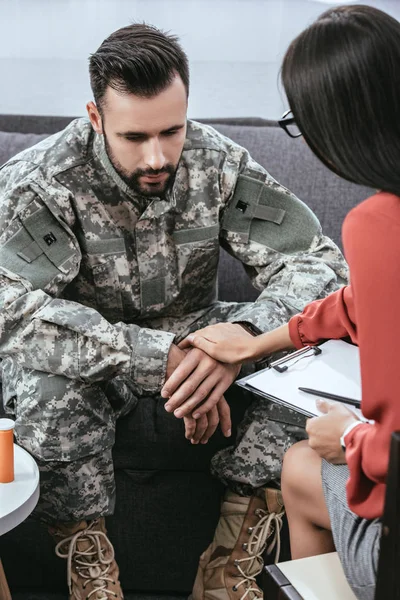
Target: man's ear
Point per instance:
(94, 117)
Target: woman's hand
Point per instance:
(230, 343)
(226, 342)
(324, 432)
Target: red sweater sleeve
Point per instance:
(369, 313)
(327, 319)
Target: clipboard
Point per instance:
(333, 368)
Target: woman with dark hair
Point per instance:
(342, 80)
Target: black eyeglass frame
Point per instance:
(285, 121)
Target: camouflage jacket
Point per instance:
(87, 266)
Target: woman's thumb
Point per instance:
(323, 406)
(192, 340)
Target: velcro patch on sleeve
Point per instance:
(49, 235)
(37, 249)
(267, 213)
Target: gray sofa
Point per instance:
(167, 502)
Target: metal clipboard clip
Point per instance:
(281, 365)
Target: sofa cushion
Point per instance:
(234, 284)
(13, 143)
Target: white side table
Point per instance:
(18, 499)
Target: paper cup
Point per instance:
(6, 450)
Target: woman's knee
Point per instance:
(302, 485)
(300, 472)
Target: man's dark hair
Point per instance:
(342, 80)
(138, 59)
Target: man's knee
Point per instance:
(60, 419)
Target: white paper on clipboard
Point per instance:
(336, 370)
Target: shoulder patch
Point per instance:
(266, 213)
(37, 249)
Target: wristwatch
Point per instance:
(347, 430)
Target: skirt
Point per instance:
(357, 540)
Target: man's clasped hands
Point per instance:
(196, 383)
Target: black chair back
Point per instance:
(388, 579)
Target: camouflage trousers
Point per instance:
(69, 427)
(263, 437)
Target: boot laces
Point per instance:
(268, 524)
(91, 564)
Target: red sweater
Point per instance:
(368, 311)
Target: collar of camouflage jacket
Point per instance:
(100, 151)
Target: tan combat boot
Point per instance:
(93, 573)
(228, 568)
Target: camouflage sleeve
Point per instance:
(280, 243)
(39, 256)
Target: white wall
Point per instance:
(234, 46)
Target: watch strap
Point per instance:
(347, 430)
(249, 327)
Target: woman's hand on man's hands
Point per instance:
(216, 412)
(226, 342)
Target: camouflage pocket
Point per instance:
(194, 244)
(196, 258)
(108, 266)
(107, 290)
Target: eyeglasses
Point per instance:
(288, 124)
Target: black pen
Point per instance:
(331, 396)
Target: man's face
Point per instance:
(144, 137)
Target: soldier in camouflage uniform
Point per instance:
(109, 242)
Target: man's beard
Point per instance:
(132, 180)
